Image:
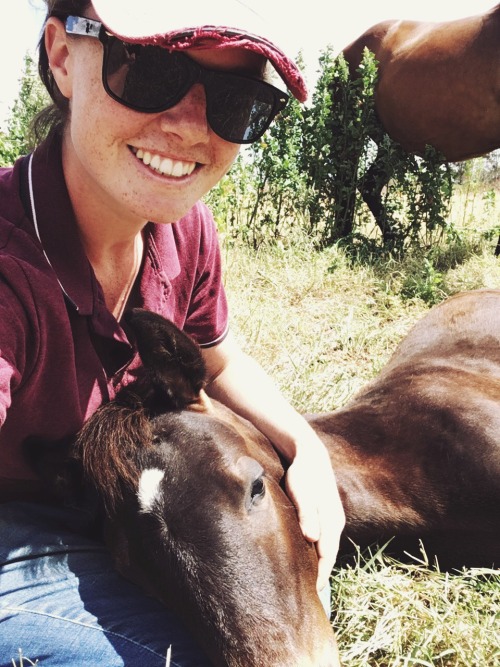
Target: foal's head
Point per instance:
(196, 513)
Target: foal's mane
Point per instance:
(109, 447)
(173, 373)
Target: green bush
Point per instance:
(32, 98)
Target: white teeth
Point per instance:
(178, 169)
(165, 166)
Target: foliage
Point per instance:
(305, 176)
(335, 149)
(278, 176)
(229, 199)
(32, 98)
(262, 199)
(346, 152)
(416, 201)
(425, 284)
(309, 169)
(484, 171)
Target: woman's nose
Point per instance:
(188, 118)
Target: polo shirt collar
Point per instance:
(55, 225)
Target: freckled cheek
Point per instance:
(93, 112)
(225, 154)
(98, 127)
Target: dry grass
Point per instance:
(322, 327)
(393, 615)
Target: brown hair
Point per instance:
(53, 118)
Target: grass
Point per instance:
(323, 326)
(389, 614)
(23, 661)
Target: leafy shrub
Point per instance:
(32, 98)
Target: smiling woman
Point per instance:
(151, 101)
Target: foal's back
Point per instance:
(417, 451)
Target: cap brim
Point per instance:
(200, 24)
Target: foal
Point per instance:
(194, 511)
(194, 508)
(417, 451)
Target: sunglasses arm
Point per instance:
(77, 25)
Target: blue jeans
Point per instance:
(62, 602)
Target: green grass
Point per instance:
(389, 614)
(322, 327)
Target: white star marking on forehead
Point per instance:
(149, 489)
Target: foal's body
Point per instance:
(417, 452)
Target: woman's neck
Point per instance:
(116, 268)
(110, 233)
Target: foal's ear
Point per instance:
(56, 464)
(174, 370)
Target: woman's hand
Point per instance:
(311, 485)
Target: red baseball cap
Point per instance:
(188, 24)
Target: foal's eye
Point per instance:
(258, 490)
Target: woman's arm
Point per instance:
(240, 383)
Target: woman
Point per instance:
(142, 127)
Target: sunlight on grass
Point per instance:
(388, 613)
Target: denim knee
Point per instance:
(63, 603)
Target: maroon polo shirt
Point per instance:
(61, 350)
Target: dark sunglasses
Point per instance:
(150, 79)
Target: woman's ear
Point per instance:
(59, 56)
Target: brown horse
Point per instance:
(416, 453)
(438, 85)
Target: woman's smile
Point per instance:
(164, 165)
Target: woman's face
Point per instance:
(135, 165)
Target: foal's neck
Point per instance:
(379, 497)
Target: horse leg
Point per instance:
(345, 206)
(370, 187)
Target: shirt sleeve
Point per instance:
(207, 316)
(13, 328)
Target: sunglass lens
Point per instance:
(146, 78)
(151, 79)
(239, 109)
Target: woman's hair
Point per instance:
(53, 118)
